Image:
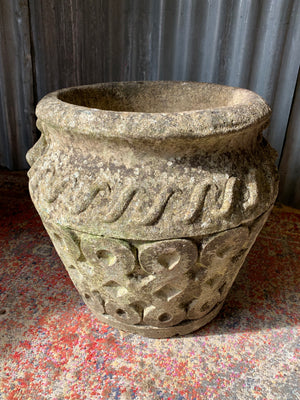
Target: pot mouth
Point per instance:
(152, 97)
(153, 108)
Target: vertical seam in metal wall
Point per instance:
(160, 35)
(289, 118)
(33, 72)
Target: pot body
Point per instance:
(151, 212)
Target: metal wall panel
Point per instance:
(16, 84)
(247, 43)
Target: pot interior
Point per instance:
(152, 97)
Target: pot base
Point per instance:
(184, 328)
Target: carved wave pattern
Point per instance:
(113, 201)
(158, 284)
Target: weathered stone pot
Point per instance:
(153, 193)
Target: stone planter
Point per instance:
(153, 193)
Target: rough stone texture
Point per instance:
(153, 193)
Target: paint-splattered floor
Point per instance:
(51, 347)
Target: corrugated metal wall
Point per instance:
(49, 44)
(16, 84)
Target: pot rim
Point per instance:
(250, 110)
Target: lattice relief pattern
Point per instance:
(158, 284)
